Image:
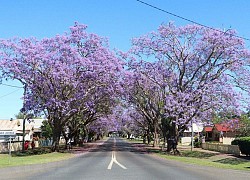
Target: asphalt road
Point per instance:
(117, 159)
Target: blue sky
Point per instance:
(118, 20)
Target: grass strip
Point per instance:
(207, 159)
(7, 161)
(200, 158)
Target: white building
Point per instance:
(197, 129)
(14, 128)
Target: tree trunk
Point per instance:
(156, 139)
(66, 140)
(144, 137)
(165, 128)
(172, 140)
(156, 136)
(148, 136)
(129, 135)
(57, 129)
(55, 144)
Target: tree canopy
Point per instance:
(168, 80)
(62, 76)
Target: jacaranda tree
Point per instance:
(61, 75)
(192, 71)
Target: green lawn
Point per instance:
(214, 161)
(6, 160)
(201, 158)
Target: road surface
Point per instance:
(117, 159)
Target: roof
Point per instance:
(32, 123)
(17, 124)
(208, 129)
(223, 127)
(7, 124)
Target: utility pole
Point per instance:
(192, 136)
(10, 146)
(23, 110)
(24, 118)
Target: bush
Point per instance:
(197, 144)
(244, 144)
(30, 152)
(235, 142)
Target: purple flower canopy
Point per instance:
(183, 74)
(186, 74)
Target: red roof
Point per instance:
(223, 127)
(219, 127)
(208, 129)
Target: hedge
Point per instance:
(244, 144)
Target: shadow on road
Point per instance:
(120, 145)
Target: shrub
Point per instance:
(244, 144)
(197, 144)
(235, 142)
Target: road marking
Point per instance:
(113, 160)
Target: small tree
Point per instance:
(46, 130)
(244, 126)
(20, 115)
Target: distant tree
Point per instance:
(224, 116)
(46, 130)
(20, 115)
(244, 125)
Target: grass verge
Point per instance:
(18, 160)
(223, 162)
(201, 158)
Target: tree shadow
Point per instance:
(233, 161)
(197, 154)
(109, 146)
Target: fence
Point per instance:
(186, 140)
(224, 148)
(44, 142)
(15, 146)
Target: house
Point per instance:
(222, 132)
(11, 132)
(208, 133)
(14, 128)
(9, 128)
(34, 126)
(197, 130)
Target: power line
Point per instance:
(9, 93)
(10, 85)
(183, 18)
